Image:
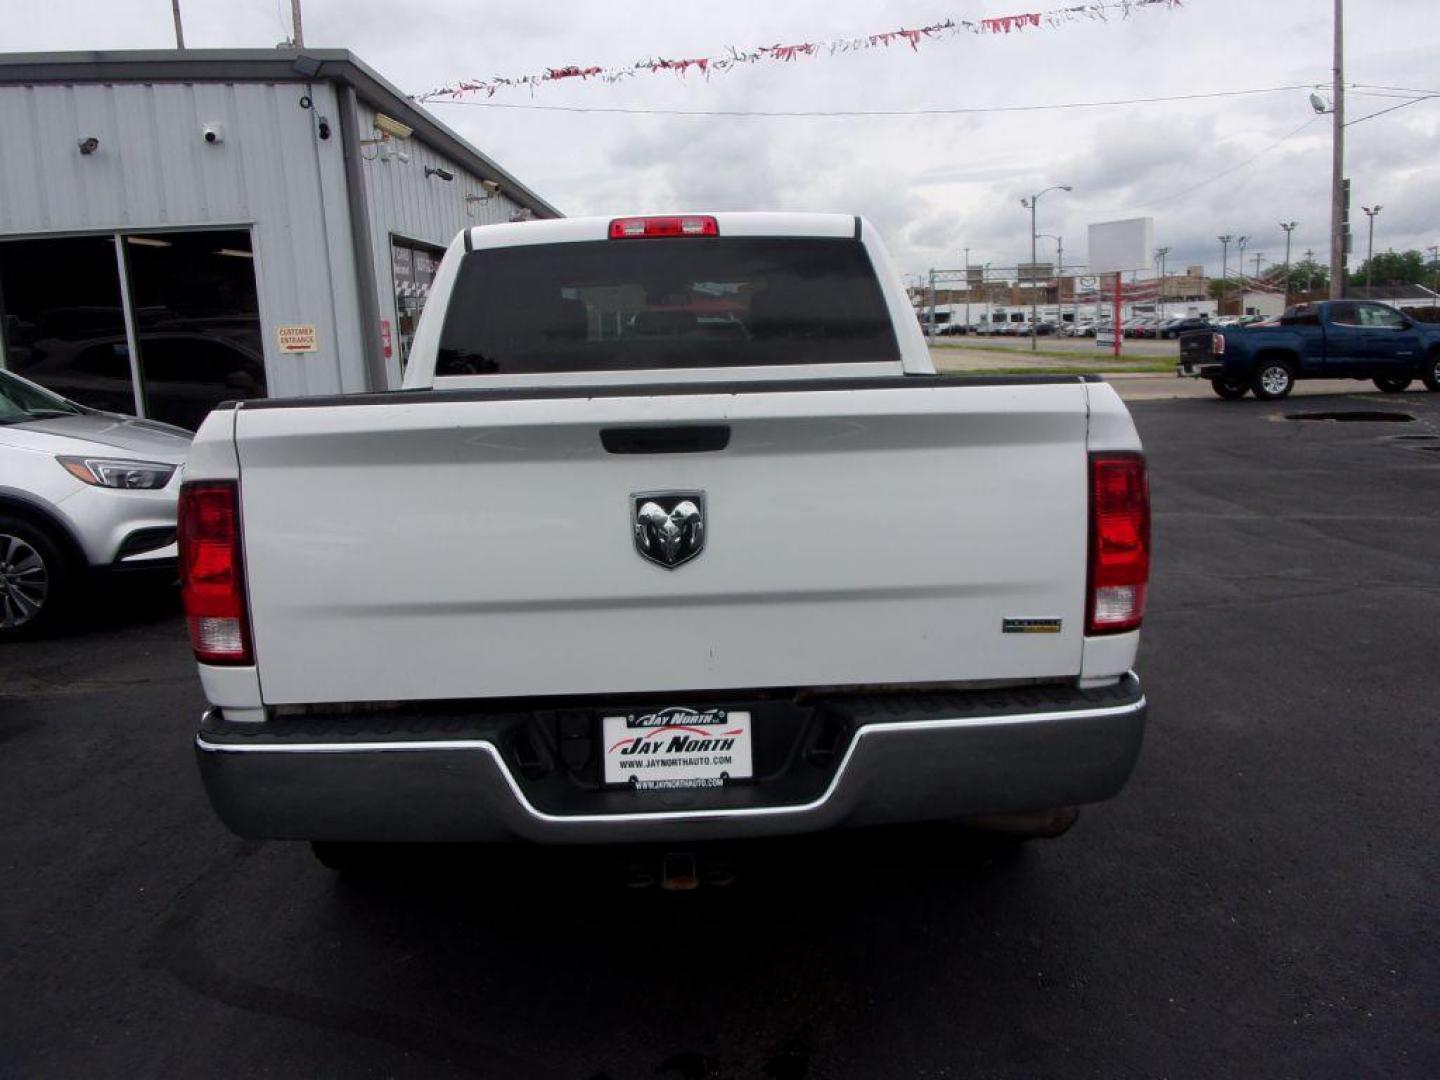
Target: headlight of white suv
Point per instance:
(118, 473)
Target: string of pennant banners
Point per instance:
(1098, 11)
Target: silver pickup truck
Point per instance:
(673, 532)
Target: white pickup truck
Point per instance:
(673, 533)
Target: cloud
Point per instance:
(934, 185)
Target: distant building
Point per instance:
(1402, 296)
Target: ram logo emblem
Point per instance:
(669, 526)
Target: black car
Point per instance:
(1173, 328)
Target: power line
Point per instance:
(873, 112)
(1400, 89)
(1392, 108)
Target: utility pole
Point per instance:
(179, 29)
(1435, 263)
(297, 31)
(1224, 269)
(1337, 164)
(1370, 212)
(1160, 254)
(1240, 243)
(1309, 272)
(1030, 203)
(1289, 227)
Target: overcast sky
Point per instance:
(933, 185)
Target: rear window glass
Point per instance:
(625, 305)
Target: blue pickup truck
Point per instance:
(1338, 339)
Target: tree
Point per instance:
(1305, 276)
(1394, 268)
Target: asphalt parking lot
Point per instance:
(1262, 899)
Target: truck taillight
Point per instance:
(627, 228)
(1119, 543)
(1217, 344)
(212, 578)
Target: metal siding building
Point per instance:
(325, 197)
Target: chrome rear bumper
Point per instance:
(892, 770)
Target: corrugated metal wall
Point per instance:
(153, 170)
(402, 201)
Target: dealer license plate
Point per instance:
(677, 748)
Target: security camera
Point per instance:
(212, 134)
(1318, 103)
(388, 125)
(490, 186)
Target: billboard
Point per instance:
(1121, 245)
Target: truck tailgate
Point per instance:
(483, 545)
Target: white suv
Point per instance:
(80, 490)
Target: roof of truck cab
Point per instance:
(733, 223)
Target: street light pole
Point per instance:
(1224, 269)
(1337, 162)
(1030, 203)
(1309, 272)
(1160, 254)
(1435, 263)
(1240, 243)
(1289, 227)
(967, 291)
(932, 303)
(1059, 269)
(1370, 212)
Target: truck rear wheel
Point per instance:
(1035, 825)
(1391, 384)
(349, 859)
(1229, 389)
(1272, 380)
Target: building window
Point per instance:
(193, 306)
(413, 266)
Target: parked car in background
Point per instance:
(1173, 328)
(1338, 339)
(81, 491)
(186, 374)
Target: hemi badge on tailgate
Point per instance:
(1030, 626)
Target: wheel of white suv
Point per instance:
(34, 577)
(1272, 380)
